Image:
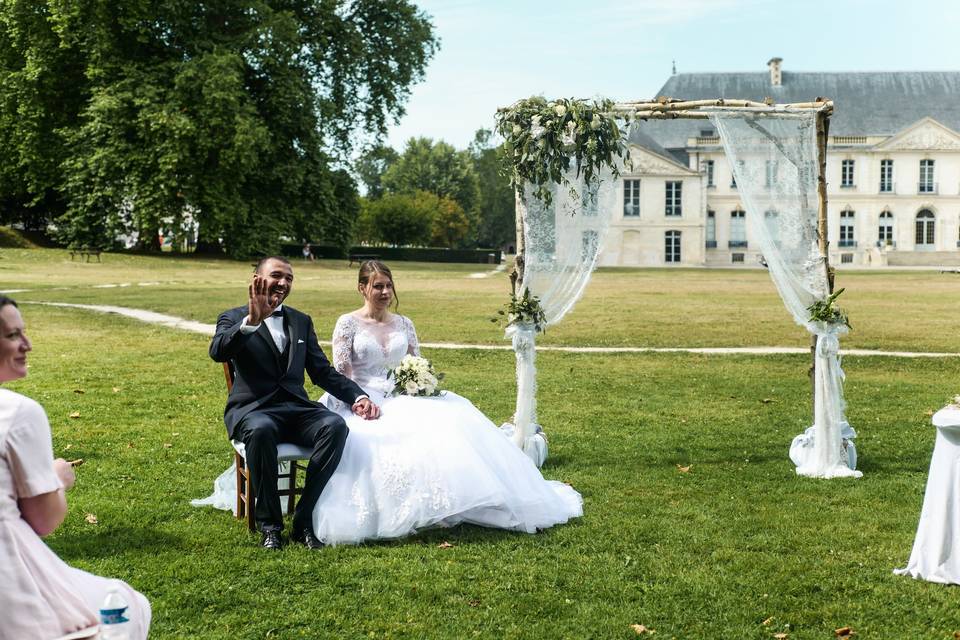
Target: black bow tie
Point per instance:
(277, 314)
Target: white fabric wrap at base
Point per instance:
(524, 431)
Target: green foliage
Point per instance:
(370, 167)
(437, 168)
(497, 208)
(398, 220)
(417, 218)
(523, 309)
(824, 311)
(542, 138)
(125, 118)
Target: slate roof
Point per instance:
(865, 103)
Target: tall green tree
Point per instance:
(496, 210)
(440, 169)
(371, 165)
(237, 114)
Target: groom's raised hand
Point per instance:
(261, 303)
(366, 409)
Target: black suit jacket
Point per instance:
(260, 372)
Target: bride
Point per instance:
(428, 461)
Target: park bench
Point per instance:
(85, 253)
(360, 257)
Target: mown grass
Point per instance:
(714, 552)
(895, 310)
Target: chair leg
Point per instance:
(238, 463)
(292, 498)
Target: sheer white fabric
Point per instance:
(562, 242)
(774, 160)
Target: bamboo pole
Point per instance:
(520, 212)
(823, 129)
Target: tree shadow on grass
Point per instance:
(114, 541)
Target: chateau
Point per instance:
(893, 173)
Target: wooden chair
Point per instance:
(286, 453)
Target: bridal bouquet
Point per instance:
(414, 376)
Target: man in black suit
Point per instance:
(270, 346)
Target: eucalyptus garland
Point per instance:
(824, 311)
(543, 138)
(524, 309)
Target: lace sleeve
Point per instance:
(343, 334)
(413, 344)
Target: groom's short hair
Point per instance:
(263, 260)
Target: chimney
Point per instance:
(774, 64)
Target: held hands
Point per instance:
(64, 471)
(366, 409)
(261, 303)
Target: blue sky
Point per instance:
(493, 52)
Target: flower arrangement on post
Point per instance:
(824, 311)
(523, 309)
(542, 138)
(414, 376)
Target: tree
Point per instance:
(437, 168)
(496, 209)
(399, 219)
(237, 114)
(371, 166)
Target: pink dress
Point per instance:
(40, 595)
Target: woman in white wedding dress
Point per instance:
(428, 461)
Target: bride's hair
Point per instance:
(369, 268)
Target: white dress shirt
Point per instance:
(274, 326)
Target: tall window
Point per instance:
(673, 198)
(590, 245)
(927, 184)
(847, 239)
(738, 228)
(885, 229)
(631, 198)
(925, 233)
(771, 218)
(707, 169)
(733, 176)
(672, 246)
(846, 173)
(588, 200)
(886, 176)
(711, 229)
(771, 173)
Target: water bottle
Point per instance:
(114, 625)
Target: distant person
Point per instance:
(270, 346)
(308, 252)
(40, 595)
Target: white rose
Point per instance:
(429, 389)
(535, 120)
(595, 123)
(560, 110)
(516, 129)
(411, 388)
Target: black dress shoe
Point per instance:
(271, 540)
(307, 539)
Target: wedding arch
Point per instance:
(567, 155)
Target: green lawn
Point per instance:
(736, 541)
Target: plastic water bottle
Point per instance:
(114, 625)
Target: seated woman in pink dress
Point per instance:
(41, 596)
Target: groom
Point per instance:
(270, 346)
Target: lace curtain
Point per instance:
(562, 241)
(774, 160)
